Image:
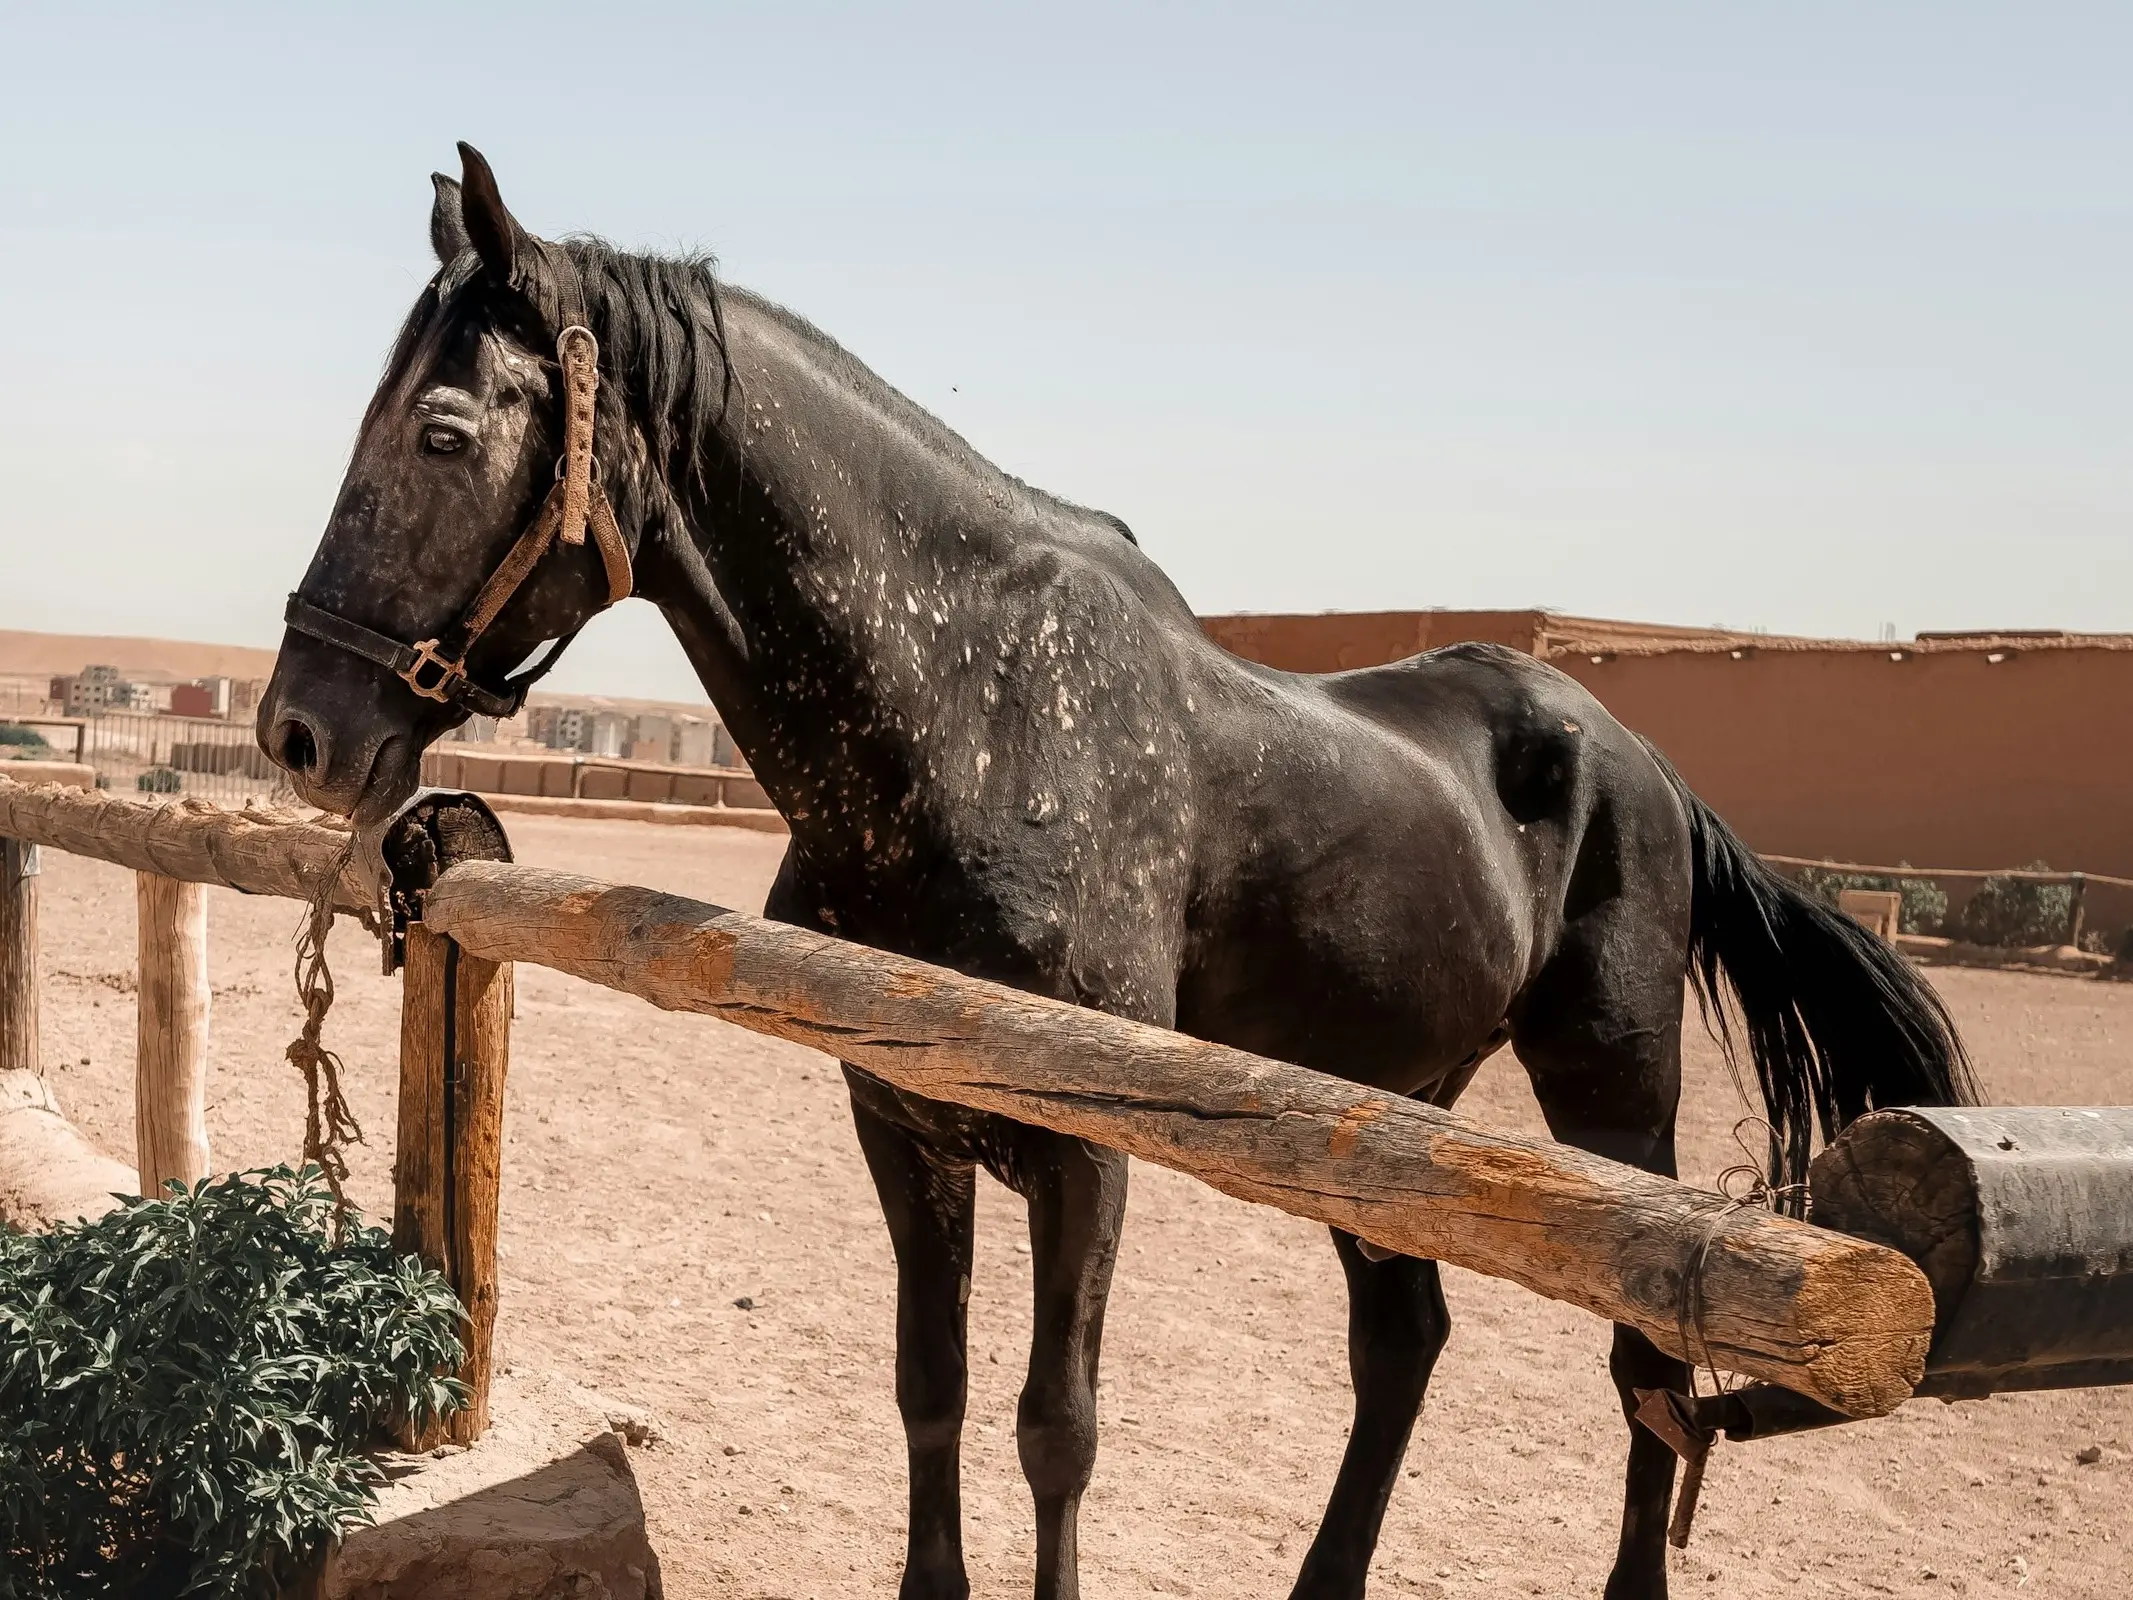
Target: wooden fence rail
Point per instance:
(1829, 1316)
(1959, 874)
(1816, 1311)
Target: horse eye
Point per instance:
(442, 441)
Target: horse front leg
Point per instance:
(1077, 1207)
(929, 1201)
(1397, 1325)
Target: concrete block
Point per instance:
(522, 775)
(695, 789)
(482, 774)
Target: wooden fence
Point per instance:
(1968, 879)
(1832, 1317)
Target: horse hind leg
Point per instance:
(1600, 1037)
(1397, 1325)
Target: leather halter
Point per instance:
(436, 668)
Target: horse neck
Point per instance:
(843, 533)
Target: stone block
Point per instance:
(544, 1507)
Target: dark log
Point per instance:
(2021, 1219)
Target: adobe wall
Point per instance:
(1335, 641)
(1941, 758)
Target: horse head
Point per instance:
(473, 526)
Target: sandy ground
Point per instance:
(660, 1168)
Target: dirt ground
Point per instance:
(660, 1169)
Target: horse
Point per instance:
(1003, 744)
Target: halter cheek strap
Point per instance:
(436, 669)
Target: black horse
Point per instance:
(1003, 744)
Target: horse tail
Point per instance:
(1836, 1021)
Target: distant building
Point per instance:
(603, 733)
(652, 737)
(671, 736)
(197, 700)
(95, 690)
(558, 727)
(220, 696)
(589, 731)
(696, 741)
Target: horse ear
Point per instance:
(491, 229)
(448, 226)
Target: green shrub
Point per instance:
(187, 1384)
(15, 734)
(159, 780)
(1925, 905)
(2010, 911)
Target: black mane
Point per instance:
(661, 323)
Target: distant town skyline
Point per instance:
(1808, 319)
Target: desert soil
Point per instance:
(662, 1170)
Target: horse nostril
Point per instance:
(294, 748)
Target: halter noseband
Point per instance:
(436, 669)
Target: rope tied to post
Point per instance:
(1744, 1186)
(329, 1122)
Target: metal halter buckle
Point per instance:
(447, 672)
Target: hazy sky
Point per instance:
(1809, 317)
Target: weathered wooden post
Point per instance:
(2076, 913)
(19, 869)
(455, 1050)
(171, 1047)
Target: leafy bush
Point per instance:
(2010, 911)
(186, 1385)
(15, 734)
(159, 780)
(1924, 902)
